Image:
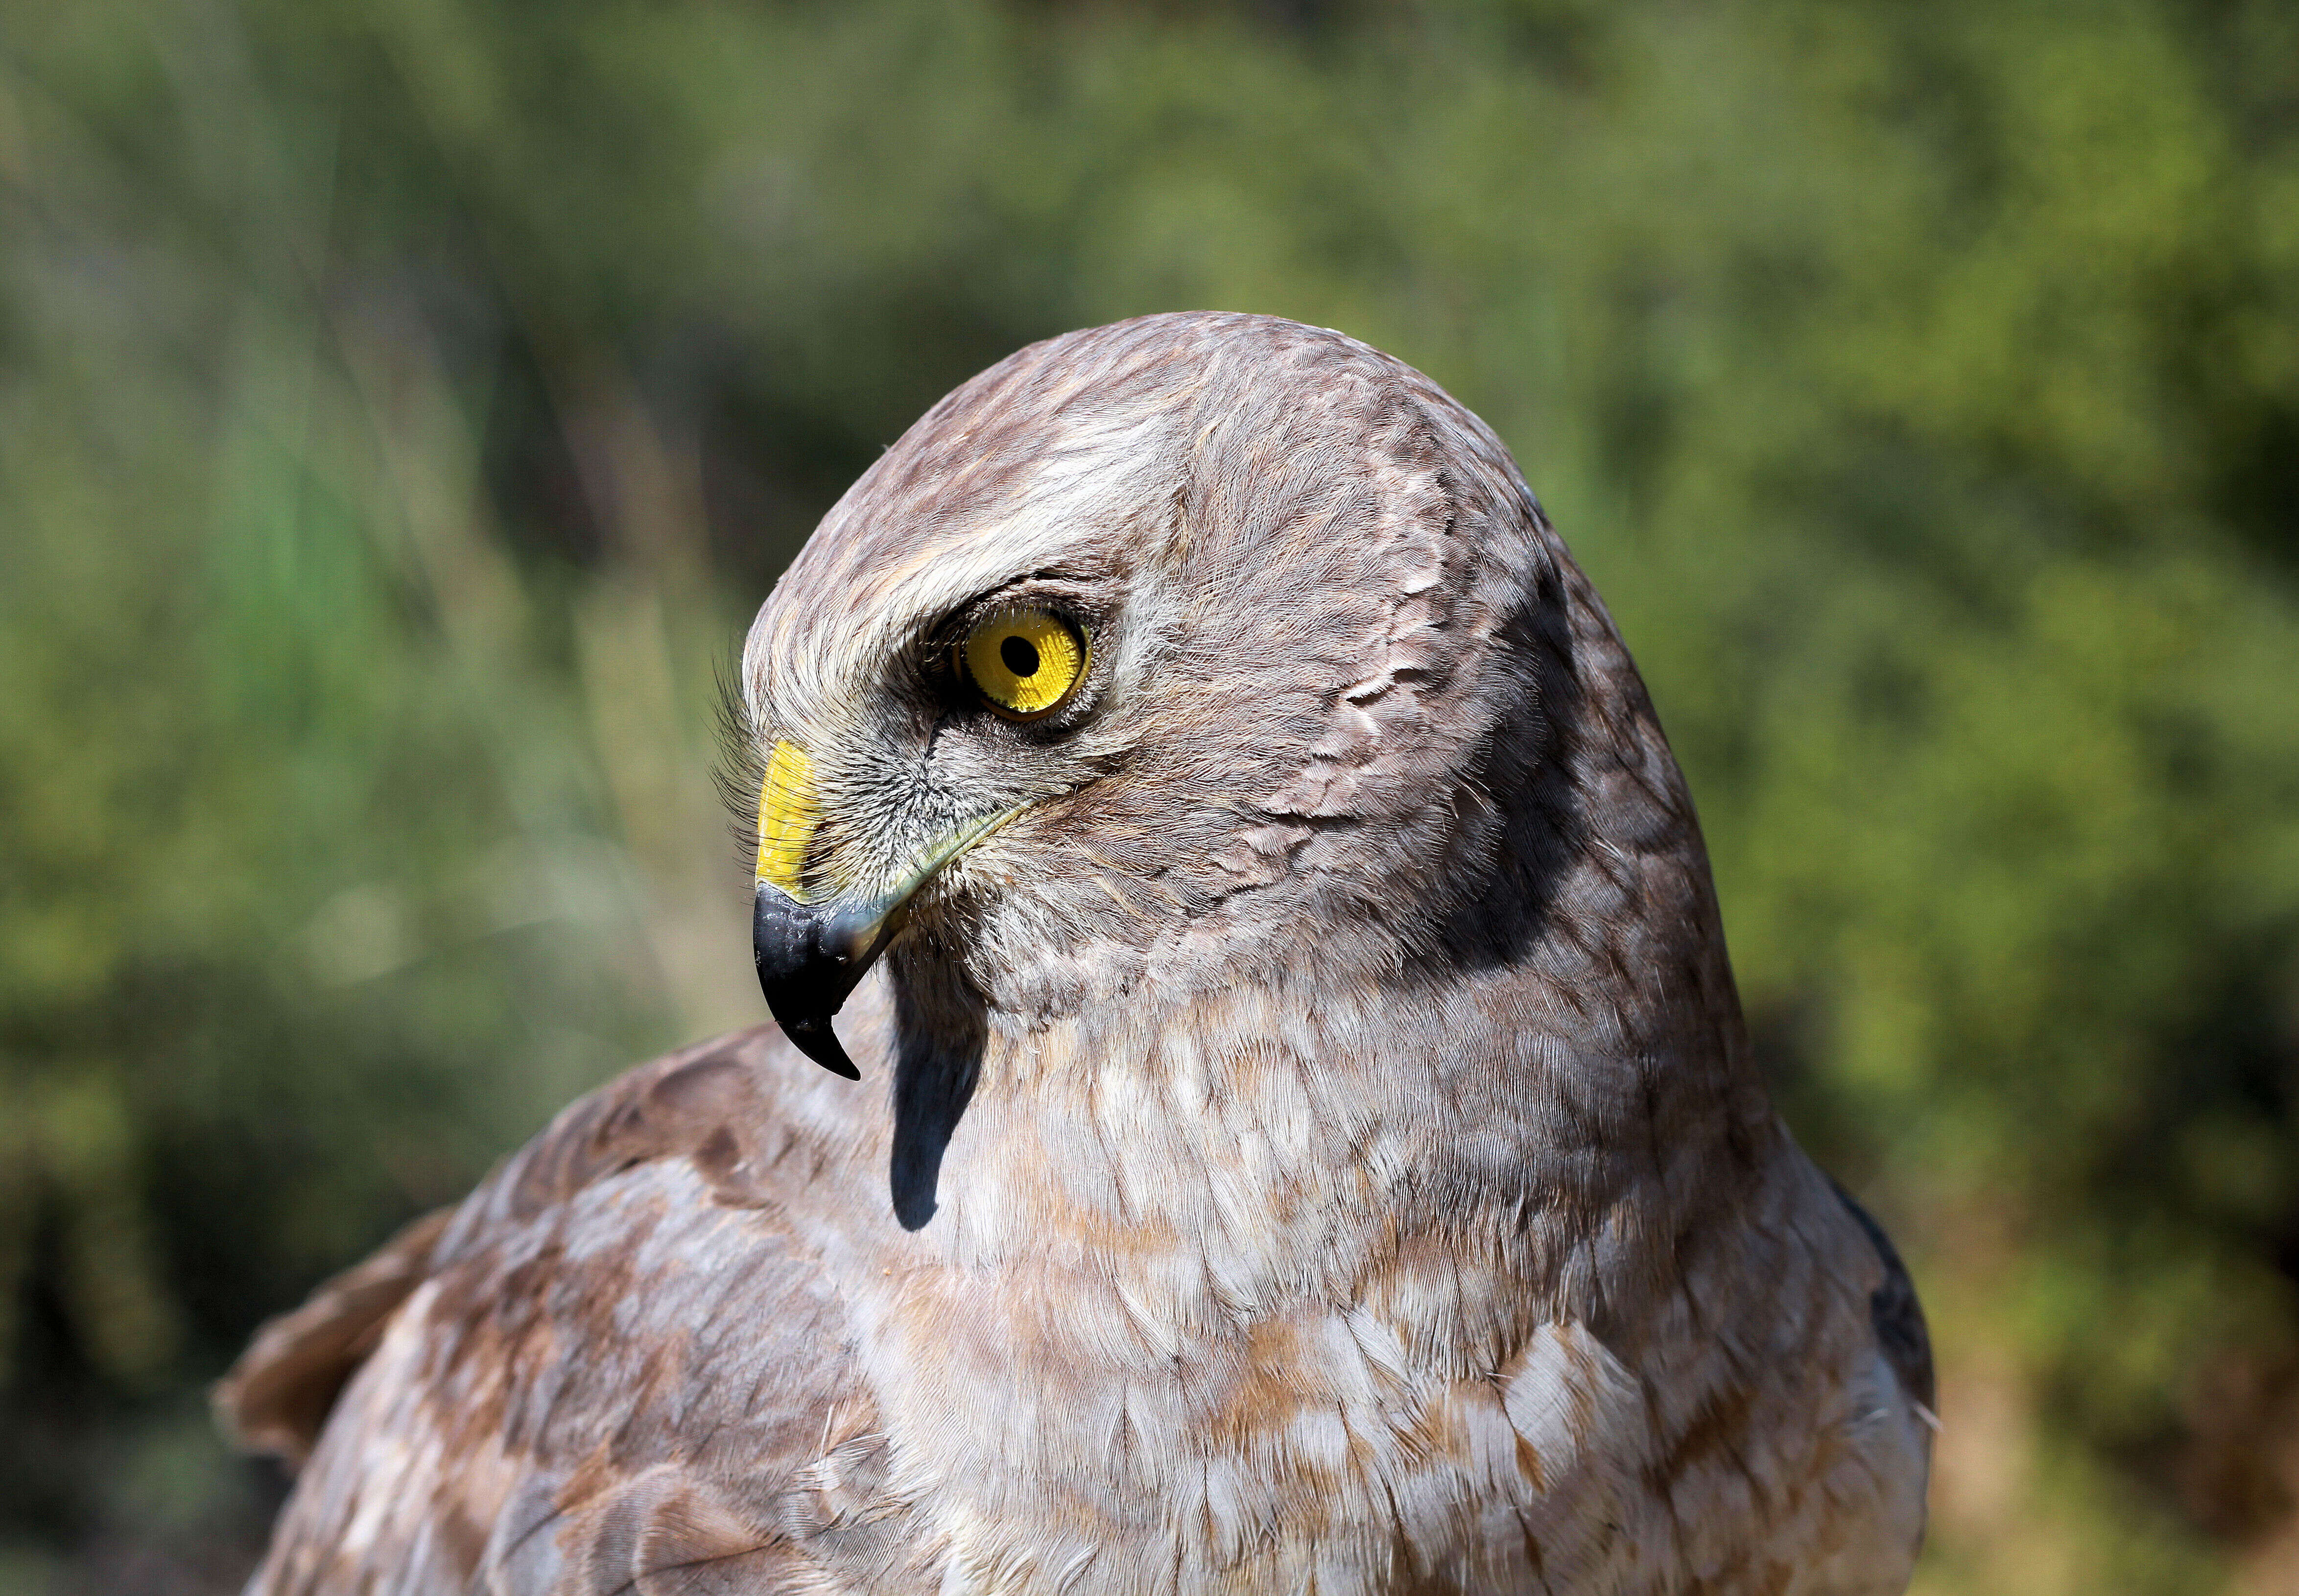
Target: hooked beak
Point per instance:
(811, 958)
(812, 952)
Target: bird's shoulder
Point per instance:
(703, 1103)
(623, 1352)
(279, 1394)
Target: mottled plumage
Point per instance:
(1307, 1143)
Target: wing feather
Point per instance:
(1898, 1316)
(614, 1368)
(279, 1394)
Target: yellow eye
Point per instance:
(1024, 661)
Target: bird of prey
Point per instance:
(1306, 1140)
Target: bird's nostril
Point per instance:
(1020, 655)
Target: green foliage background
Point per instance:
(402, 403)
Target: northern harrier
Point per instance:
(1323, 1149)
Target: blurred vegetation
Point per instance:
(402, 403)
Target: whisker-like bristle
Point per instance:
(742, 762)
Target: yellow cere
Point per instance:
(1024, 661)
(788, 813)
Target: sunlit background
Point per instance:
(403, 403)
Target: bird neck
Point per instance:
(1567, 1145)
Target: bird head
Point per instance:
(1186, 652)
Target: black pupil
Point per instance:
(1020, 654)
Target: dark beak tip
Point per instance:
(818, 1041)
(808, 963)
